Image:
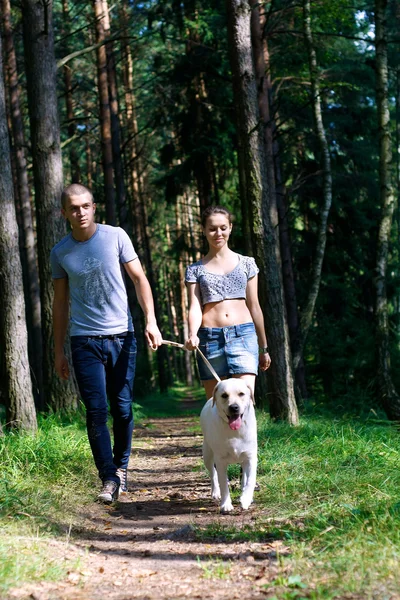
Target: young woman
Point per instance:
(225, 317)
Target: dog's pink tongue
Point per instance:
(235, 422)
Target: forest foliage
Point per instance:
(175, 149)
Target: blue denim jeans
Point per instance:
(231, 350)
(105, 369)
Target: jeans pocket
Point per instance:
(250, 343)
(79, 343)
(127, 344)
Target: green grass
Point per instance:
(331, 494)
(330, 501)
(46, 478)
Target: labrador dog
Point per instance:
(228, 422)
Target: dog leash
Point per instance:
(168, 343)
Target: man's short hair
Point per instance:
(74, 189)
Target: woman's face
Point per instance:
(217, 230)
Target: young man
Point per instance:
(87, 268)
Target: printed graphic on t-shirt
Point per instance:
(95, 289)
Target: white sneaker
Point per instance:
(109, 492)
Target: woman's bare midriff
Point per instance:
(225, 313)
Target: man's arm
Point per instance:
(145, 299)
(60, 325)
(195, 316)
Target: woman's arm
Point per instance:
(254, 307)
(195, 316)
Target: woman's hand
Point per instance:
(264, 361)
(192, 343)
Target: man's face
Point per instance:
(79, 211)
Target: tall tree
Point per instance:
(69, 101)
(17, 386)
(105, 114)
(122, 208)
(389, 397)
(261, 52)
(308, 310)
(28, 258)
(48, 176)
(262, 212)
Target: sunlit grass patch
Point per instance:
(215, 569)
(330, 491)
(32, 559)
(45, 480)
(44, 473)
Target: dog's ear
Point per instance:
(214, 398)
(251, 394)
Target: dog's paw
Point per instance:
(216, 495)
(245, 501)
(226, 507)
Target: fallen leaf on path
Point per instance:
(73, 577)
(144, 573)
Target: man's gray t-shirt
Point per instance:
(99, 303)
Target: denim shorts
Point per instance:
(231, 350)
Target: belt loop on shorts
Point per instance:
(237, 330)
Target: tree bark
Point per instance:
(69, 101)
(203, 164)
(48, 178)
(105, 115)
(308, 311)
(183, 262)
(387, 393)
(262, 213)
(29, 258)
(264, 86)
(20, 406)
(122, 208)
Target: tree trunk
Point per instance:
(163, 375)
(29, 258)
(47, 170)
(203, 166)
(122, 208)
(105, 115)
(262, 213)
(264, 86)
(132, 128)
(183, 262)
(69, 101)
(387, 393)
(17, 385)
(308, 311)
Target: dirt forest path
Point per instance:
(145, 545)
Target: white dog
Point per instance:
(229, 428)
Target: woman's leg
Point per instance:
(249, 378)
(209, 385)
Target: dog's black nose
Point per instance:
(234, 409)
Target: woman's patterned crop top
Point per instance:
(214, 288)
